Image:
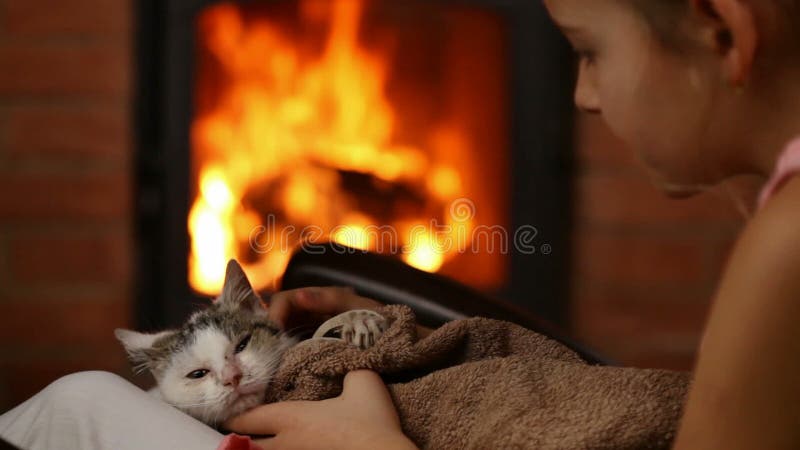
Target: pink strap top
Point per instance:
(788, 165)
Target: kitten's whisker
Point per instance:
(187, 405)
(260, 384)
(207, 401)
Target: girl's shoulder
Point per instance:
(774, 231)
(773, 235)
(777, 220)
(746, 374)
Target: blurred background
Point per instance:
(142, 142)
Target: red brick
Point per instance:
(615, 314)
(719, 254)
(76, 196)
(3, 265)
(632, 201)
(102, 258)
(68, 69)
(639, 260)
(66, 17)
(641, 327)
(68, 132)
(5, 395)
(666, 351)
(68, 322)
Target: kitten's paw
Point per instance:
(360, 327)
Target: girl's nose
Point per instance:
(586, 99)
(586, 96)
(231, 375)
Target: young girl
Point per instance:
(703, 91)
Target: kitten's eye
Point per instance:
(242, 344)
(197, 374)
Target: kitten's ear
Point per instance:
(141, 347)
(238, 293)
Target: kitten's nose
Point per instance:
(231, 376)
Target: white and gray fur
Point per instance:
(219, 363)
(199, 369)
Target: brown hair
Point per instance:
(665, 17)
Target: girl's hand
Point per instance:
(312, 305)
(362, 417)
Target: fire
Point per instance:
(423, 253)
(209, 218)
(287, 137)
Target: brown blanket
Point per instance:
(481, 383)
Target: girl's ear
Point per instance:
(141, 347)
(734, 34)
(238, 293)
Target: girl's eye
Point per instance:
(242, 344)
(197, 374)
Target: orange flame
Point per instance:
(278, 126)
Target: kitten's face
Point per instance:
(220, 362)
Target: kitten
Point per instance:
(219, 363)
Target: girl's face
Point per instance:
(651, 97)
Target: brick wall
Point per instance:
(645, 267)
(65, 175)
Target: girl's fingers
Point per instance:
(286, 306)
(365, 384)
(283, 305)
(365, 391)
(311, 299)
(278, 310)
(266, 419)
(327, 300)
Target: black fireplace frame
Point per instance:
(541, 81)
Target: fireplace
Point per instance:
(377, 124)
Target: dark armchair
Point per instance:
(434, 299)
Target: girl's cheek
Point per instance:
(615, 106)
